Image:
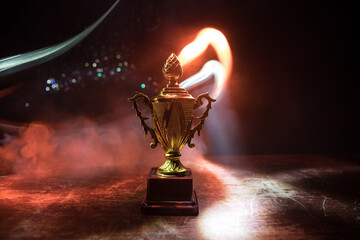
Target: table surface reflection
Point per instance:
(240, 197)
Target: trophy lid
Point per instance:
(172, 70)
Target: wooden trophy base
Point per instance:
(170, 195)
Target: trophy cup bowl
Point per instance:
(172, 117)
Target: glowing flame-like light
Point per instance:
(221, 70)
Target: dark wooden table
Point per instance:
(240, 197)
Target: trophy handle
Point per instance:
(147, 103)
(202, 118)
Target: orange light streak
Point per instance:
(215, 38)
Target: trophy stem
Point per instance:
(172, 166)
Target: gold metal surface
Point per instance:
(172, 116)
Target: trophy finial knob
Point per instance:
(172, 68)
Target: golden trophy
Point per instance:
(169, 187)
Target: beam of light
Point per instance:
(248, 200)
(235, 217)
(252, 199)
(23, 61)
(215, 38)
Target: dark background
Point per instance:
(294, 86)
